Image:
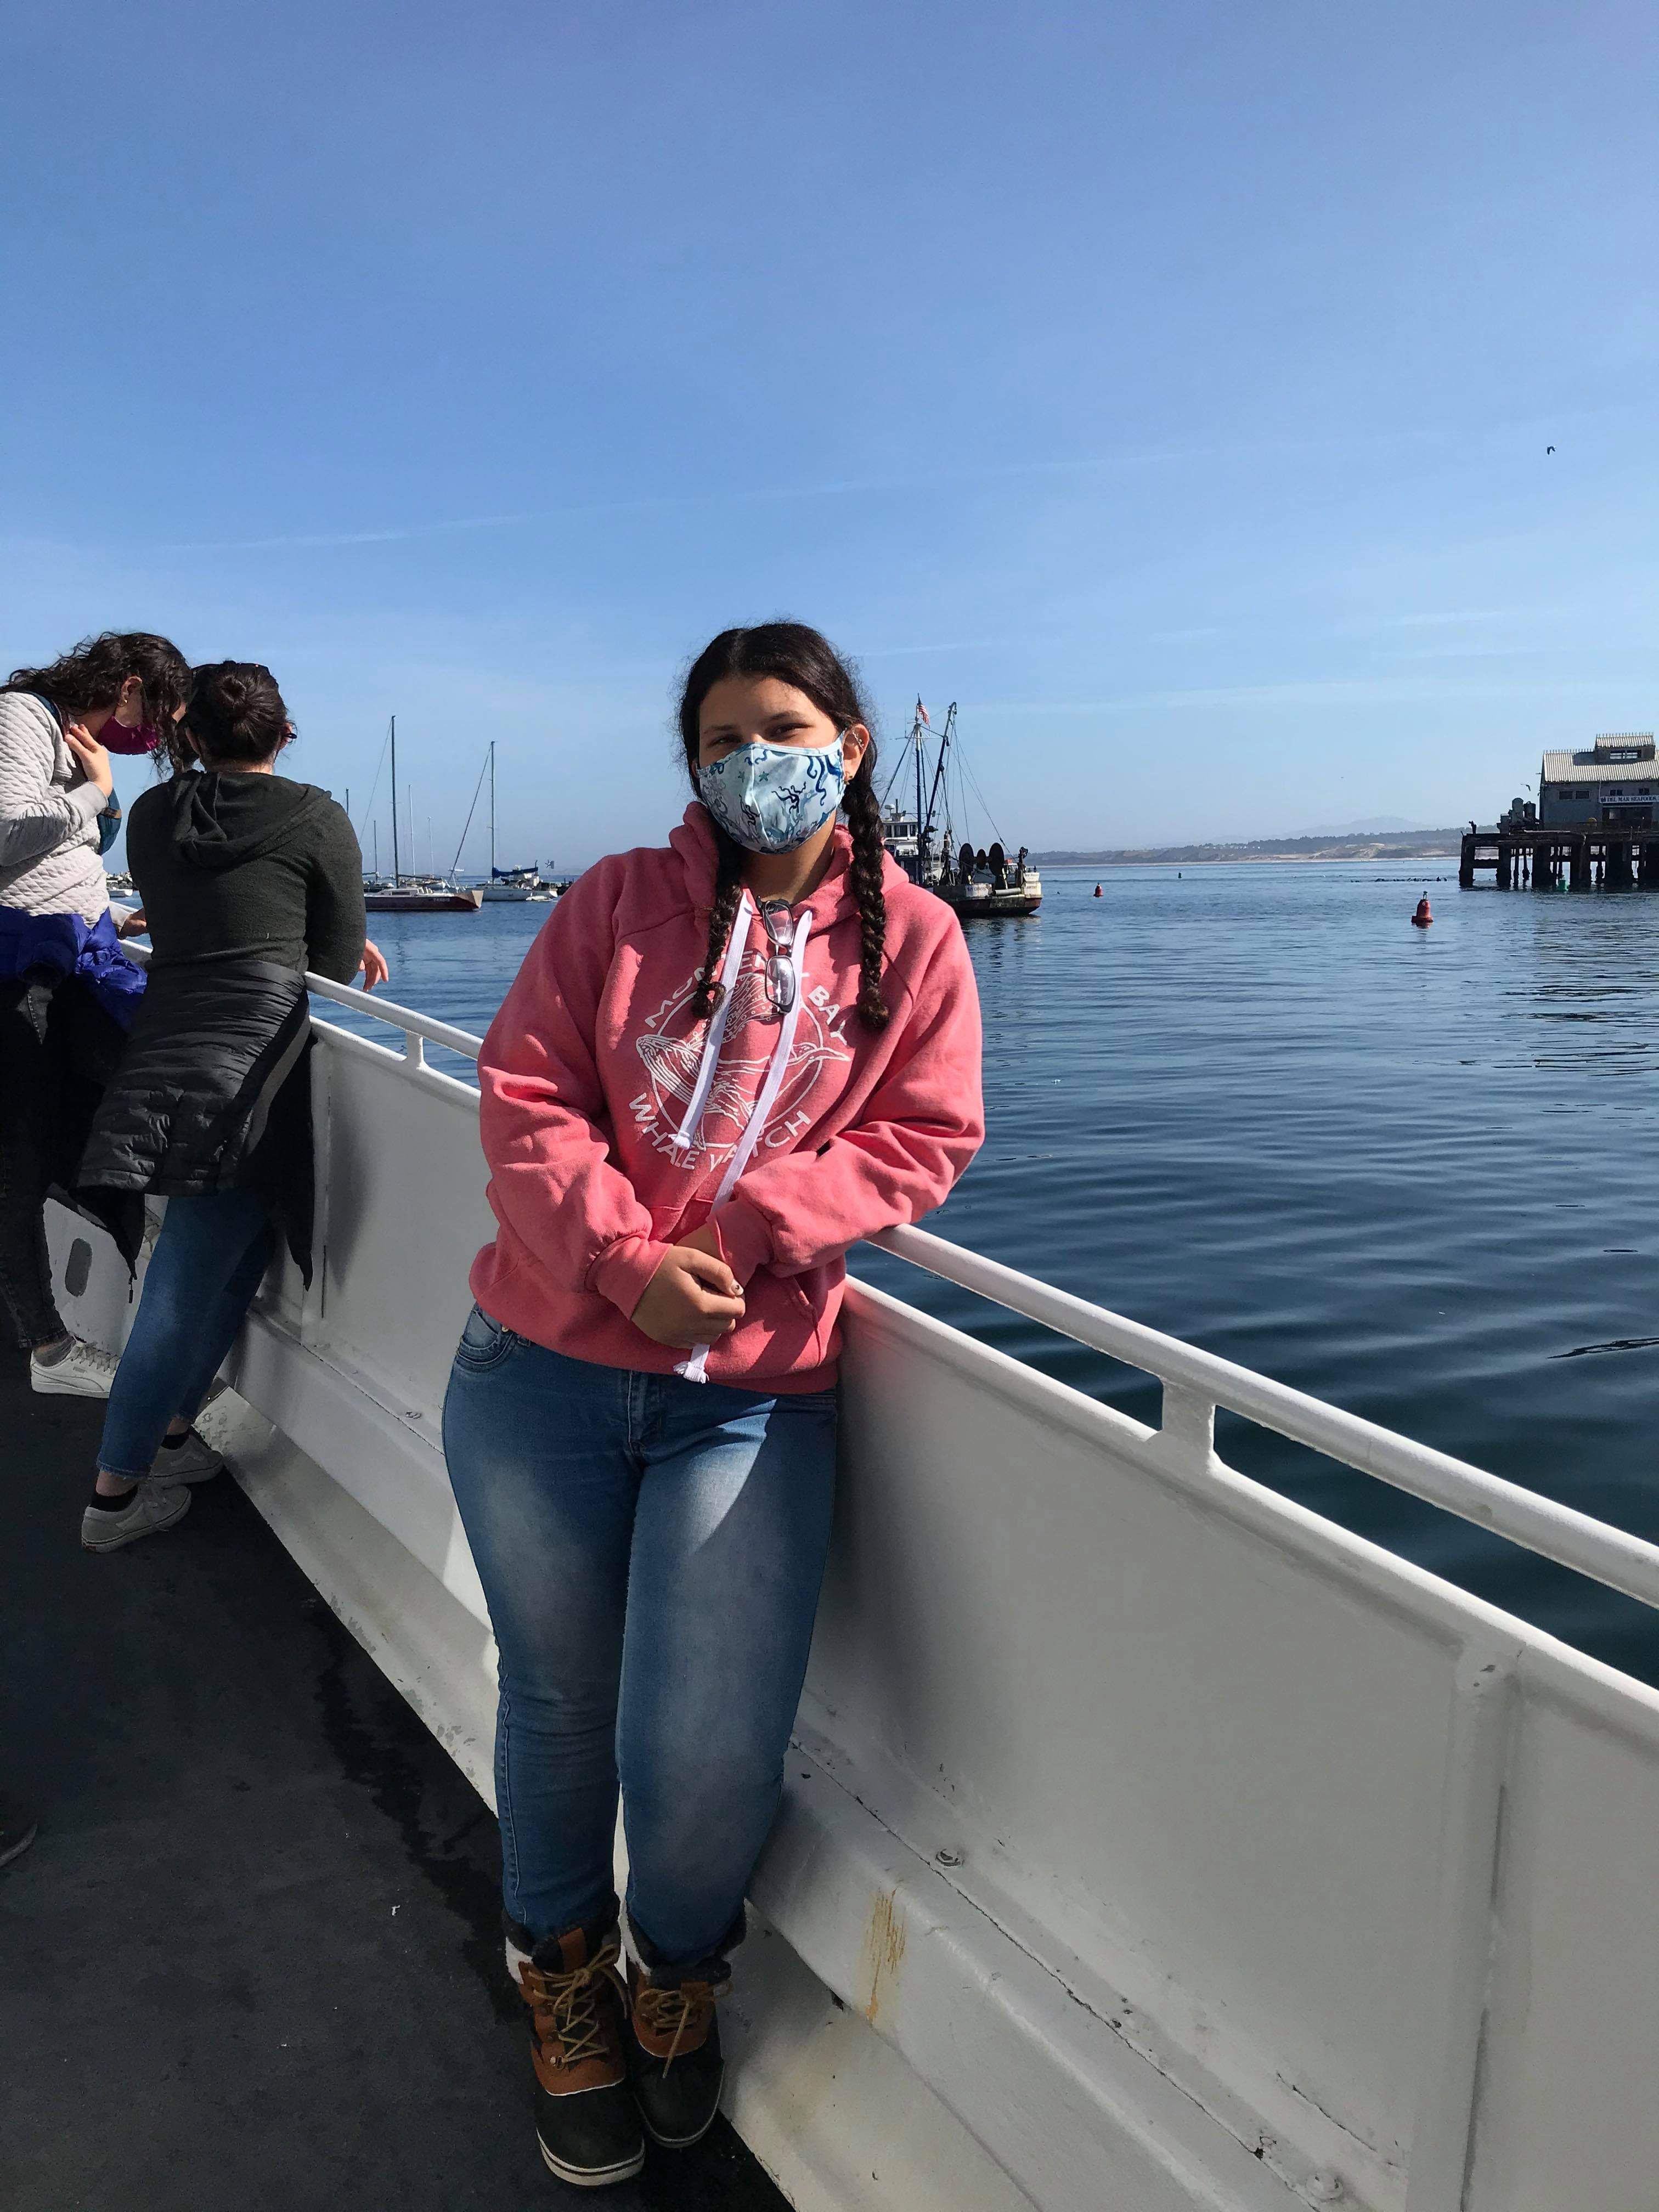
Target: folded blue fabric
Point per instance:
(63, 945)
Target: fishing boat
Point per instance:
(1149, 1842)
(413, 894)
(974, 880)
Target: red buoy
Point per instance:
(1422, 918)
(1097, 890)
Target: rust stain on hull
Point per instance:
(884, 1947)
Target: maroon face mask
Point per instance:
(115, 739)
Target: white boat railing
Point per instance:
(1195, 1383)
(1195, 1853)
(416, 1028)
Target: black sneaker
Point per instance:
(674, 2054)
(585, 2120)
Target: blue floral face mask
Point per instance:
(772, 797)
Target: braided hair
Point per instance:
(807, 662)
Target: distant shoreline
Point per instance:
(1391, 845)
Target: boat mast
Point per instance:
(397, 873)
(492, 810)
(921, 839)
(938, 777)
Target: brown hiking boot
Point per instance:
(587, 2122)
(675, 2055)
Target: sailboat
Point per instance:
(507, 886)
(414, 893)
(974, 880)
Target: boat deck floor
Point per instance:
(253, 1957)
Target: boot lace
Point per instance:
(675, 2013)
(565, 2007)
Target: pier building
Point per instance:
(1595, 823)
(1614, 783)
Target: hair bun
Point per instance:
(235, 714)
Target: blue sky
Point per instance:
(1169, 385)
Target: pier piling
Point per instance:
(1614, 856)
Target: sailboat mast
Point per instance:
(397, 871)
(492, 810)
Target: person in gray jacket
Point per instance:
(67, 990)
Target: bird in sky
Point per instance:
(1549, 449)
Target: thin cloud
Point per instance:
(324, 537)
(853, 487)
(1336, 692)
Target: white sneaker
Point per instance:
(153, 1506)
(193, 1461)
(83, 1371)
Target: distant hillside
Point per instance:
(1393, 845)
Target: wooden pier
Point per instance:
(1613, 856)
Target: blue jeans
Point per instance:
(651, 1550)
(207, 1264)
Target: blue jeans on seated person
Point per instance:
(207, 1264)
(651, 1550)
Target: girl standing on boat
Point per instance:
(67, 990)
(247, 880)
(722, 1064)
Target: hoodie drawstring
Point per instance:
(777, 1068)
(714, 1035)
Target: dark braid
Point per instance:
(863, 812)
(729, 890)
(802, 658)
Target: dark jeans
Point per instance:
(651, 1550)
(52, 1036)
(208, 1259)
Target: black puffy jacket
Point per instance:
(213, 1091)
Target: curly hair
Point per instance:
(91, 676)
(805, 659)
(234, 716)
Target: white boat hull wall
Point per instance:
(1191, 1851)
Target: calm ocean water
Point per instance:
(1407, 1171)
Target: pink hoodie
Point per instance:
(590, 1075)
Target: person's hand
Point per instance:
(93, 758)
(693, 1298)
(133, 925)
(375, 968)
